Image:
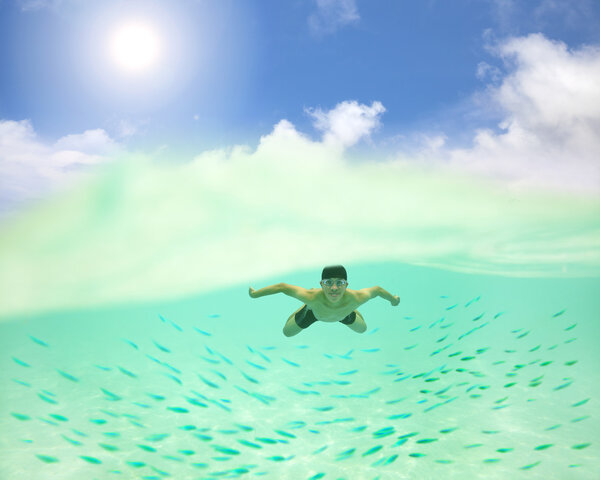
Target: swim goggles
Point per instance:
(338, 283)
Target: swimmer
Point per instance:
(333, 302)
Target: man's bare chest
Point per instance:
(326, 313)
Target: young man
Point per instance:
(333, 302)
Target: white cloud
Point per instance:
(332, 15)
(347, 123)
(96, 142)
(550, 107)
(30, 168)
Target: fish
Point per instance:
(476, 299)
(266, 440)
(127, 372)
(47, 458)
(38, 341)
(558, 314)
(131, 343)
(225, 359)
(436, 322)
(372, 450)
(531, 465)
(209, 360)
(175, 326)
(208, 382)
(564, 385)
(156, 397)
(296, 424)
(346, 454)
(384, 432)
(170, 367)
(263, 356)
(225, 450)
(579, 419)
(77, 443)
(196, 402)
(68, 376)
(263, 398)
(47, 399)
(580, 446)
(400, 415)
(249, 378)
(255, 365)
(161, 347)
(110, 448)
(216, 372)
(249, 444)
(323, 409)
(59, 417)
(427, 440)
(90, 459)
(20, 362)
(448, 430)
(21, 416)
(202, 332)
(174, 378)
(293, 364)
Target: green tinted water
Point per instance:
(129, 347)
(471, 376)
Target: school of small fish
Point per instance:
(294, 411)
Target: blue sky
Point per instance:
(230, 71)
(265, 137)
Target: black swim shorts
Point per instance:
(305, 318)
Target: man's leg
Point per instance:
(358, 325)
(291, 328)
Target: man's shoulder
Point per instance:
(360, 296)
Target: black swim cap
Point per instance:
(334, 271)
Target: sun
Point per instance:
(135, 47)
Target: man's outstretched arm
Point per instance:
(290, 290)
(369, 293)
(271, 290)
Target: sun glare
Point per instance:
(135, 47)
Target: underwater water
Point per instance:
(472, 376)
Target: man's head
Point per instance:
(334, 281)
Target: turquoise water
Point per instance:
(472, 376)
